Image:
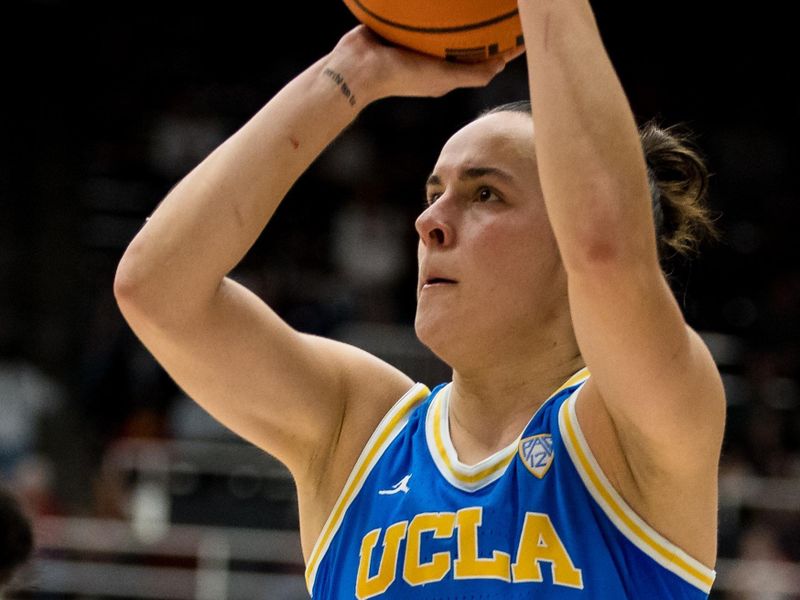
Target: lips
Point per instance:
(433, 282)
(431, 277)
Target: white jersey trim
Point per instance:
(470, 478)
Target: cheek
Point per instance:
(520, 266)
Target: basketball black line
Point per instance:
(456, 29)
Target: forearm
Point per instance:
(587, 146)
(209, 221)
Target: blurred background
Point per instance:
(134, 491)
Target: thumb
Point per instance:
(475, 74)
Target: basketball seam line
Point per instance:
(455, 29)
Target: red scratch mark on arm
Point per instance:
(295, 142)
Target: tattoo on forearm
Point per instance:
(338, 78)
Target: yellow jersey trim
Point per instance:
(386, 431)
(631, 525)
(496, 462)
(465, 477)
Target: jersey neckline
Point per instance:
(471, 478)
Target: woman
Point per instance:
(537, 259)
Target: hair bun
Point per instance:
(678, 180)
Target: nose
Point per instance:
(433, 227)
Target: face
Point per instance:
(490, 277)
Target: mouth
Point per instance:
(438, 281)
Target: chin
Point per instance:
(423, 328)
(430, 330)
(442, 336)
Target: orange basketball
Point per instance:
(466, 30)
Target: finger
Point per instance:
(475, 74)
(510, 55)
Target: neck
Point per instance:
(490, 406)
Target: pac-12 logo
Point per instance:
(536, 453)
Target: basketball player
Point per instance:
(574, 454)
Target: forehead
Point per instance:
(498, 140)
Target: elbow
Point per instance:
(596, 239)
(138, 284)
(602, 249)
(615, 229)
(130, 286)
(125, 288)
(146, 292)
(600, 246)
(138, 298)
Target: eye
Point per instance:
(487, 194)
(431, 197)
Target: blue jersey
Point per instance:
(537, 519)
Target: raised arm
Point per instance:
(289, 393)
(652, 377)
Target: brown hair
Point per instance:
(678, 179)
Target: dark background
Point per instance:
(93, 93)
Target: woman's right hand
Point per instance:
(382, 70)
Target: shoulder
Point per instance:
(370, 387)
(656, 479)
(375, 397)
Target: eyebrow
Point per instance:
(473, 173)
